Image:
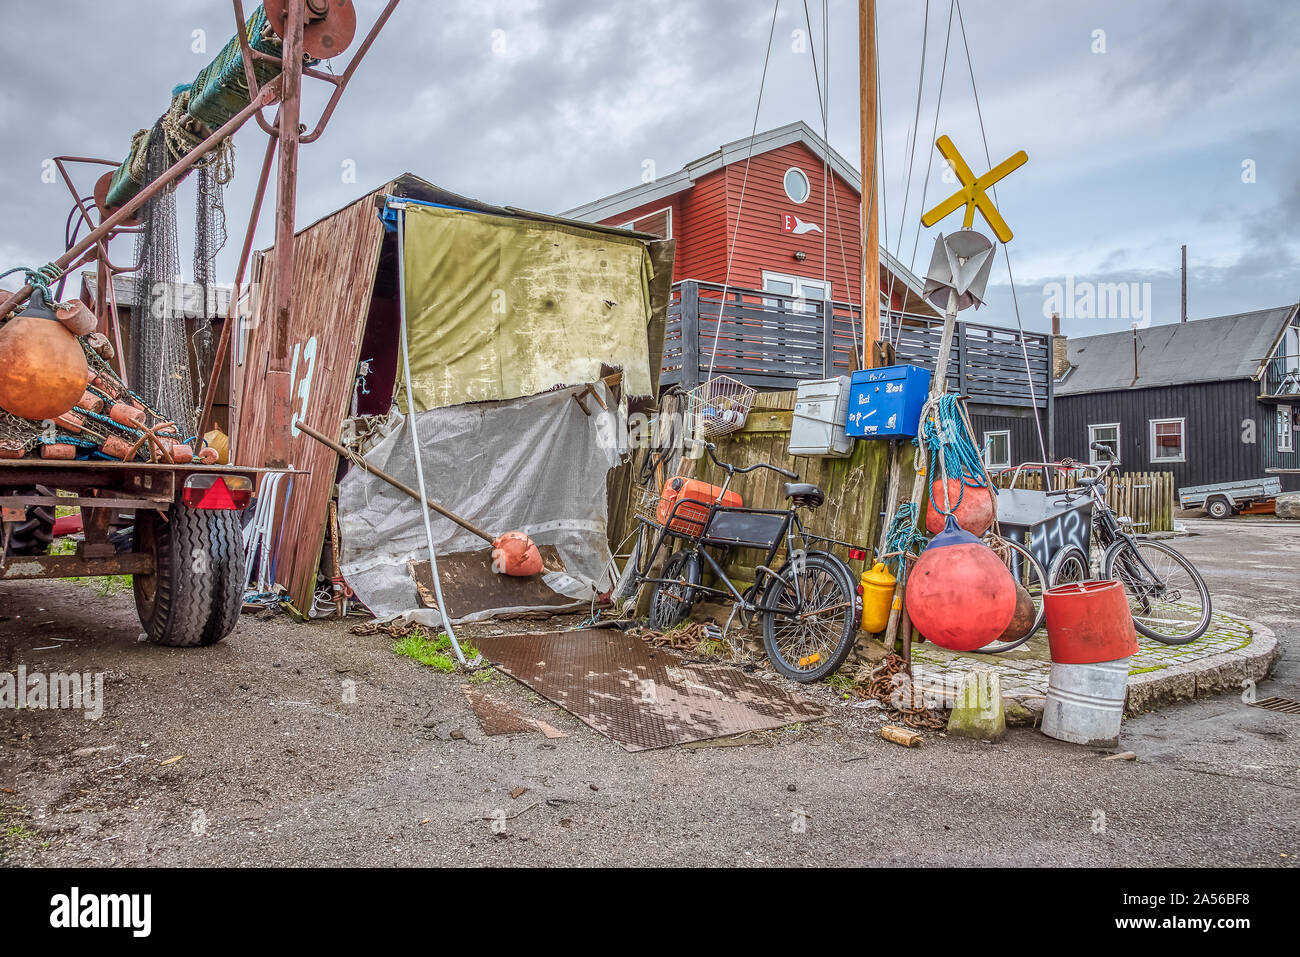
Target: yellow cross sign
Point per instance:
(972, 195)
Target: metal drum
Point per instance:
(1085, 703)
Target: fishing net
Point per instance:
(209, 237)
(159, 364)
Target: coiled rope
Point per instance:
(946, 442)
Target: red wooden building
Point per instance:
(787, 213)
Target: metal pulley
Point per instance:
(328, 30)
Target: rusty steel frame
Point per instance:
(156, 485)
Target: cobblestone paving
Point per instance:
(1158, 672)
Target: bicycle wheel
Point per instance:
(672, 600)
(1069, 567)
(809, 617)
(637, 565)
(1028, 572)
(1167, 596)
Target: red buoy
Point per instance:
(515, 554)
(1089, 622)
(960, 595)
(974, 512)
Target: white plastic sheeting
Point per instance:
(536, 464)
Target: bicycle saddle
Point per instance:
(1084, 482)
(804, 494)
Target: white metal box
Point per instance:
(820, 409)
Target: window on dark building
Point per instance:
(1107, 435)
(1168, 441)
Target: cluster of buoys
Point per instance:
(960, 594)
(43, 371)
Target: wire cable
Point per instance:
(740, 207)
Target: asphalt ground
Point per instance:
(293, 744)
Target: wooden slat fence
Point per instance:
(1145, 497)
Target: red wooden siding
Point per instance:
(705, 216)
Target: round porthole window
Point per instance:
(796, 185)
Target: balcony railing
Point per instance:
(770, 340)
(1281, 378)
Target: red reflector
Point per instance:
(217, 492)
(858, 554)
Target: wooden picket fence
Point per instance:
(855, 487)
(1145, 497)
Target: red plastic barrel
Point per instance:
(1088, 623)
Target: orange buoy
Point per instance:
(43, 370)
(974, 512)
(515, 554)
(76, 318)
(1023, 619)
(959, 594)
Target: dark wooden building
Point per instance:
(1212, 400)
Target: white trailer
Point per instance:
(1228, 498)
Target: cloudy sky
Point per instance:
(1148, 123)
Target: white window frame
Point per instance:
(1151, 436)
(1284, 426)
(988, 448)
(796, 284)
(807, 182)
(1093, 457)
(631, 224)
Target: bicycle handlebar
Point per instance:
(737, 470)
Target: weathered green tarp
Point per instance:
(501, 307)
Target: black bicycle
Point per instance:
(1167, 596)
(808, 605)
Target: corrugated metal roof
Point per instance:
(1203, 350)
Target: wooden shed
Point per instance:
(346, 310)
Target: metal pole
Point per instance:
(128, 209)
(415, 436)
(1184, 310)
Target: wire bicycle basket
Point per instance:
(718, 407)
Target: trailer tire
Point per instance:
(1218, 507)
(195, 592)
(34, 535)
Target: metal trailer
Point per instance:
(186, 551)
(1228, 498)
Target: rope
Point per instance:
(1015, 301)
(945, 440)
(740, 207)
(903, 536)
(39, 278)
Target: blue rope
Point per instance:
(38, 278)
(946, 434)
(902, 537)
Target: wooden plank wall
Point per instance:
(336, 262)
(1145, 497)
(855, 487)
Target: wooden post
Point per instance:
(828, 339)
(278, 373)
(870, 231)
(938, 385)
(690, 334)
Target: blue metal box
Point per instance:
(886, 403)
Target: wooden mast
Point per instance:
(870, 189)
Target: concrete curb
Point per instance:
(1227, 671)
